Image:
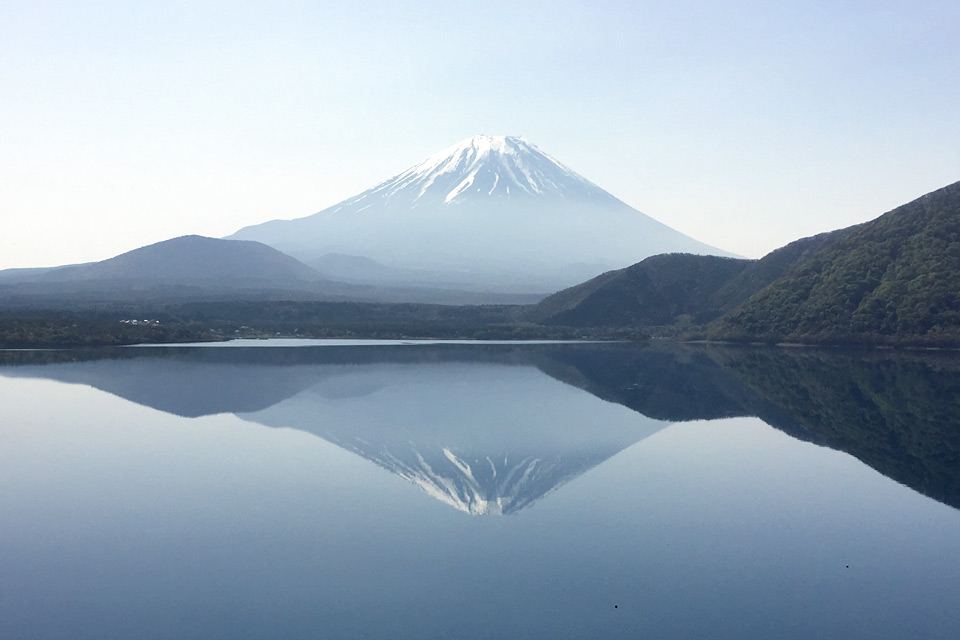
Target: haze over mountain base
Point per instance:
(491, 212)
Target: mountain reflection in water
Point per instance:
(480, 427)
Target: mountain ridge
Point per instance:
(896, 275)
(192, 268)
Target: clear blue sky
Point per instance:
(743, 124)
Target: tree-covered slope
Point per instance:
(893, 279)
(670, 288)
(653, 292)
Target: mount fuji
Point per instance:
(489, 213)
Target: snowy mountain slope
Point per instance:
(480, 168)
(489, 211)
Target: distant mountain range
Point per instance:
(194, 268)
(494, 221)
(490, 212)
(891, 280)
(189, 267)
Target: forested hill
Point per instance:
(893, 280)
(670, 289)
(654, 292)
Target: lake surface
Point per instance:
(479, 491)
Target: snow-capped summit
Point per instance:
(483, 167)
(492, 213)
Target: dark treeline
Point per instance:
(52, 329)
(108, 323)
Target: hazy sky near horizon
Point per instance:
(744, 124)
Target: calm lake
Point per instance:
(343, 490)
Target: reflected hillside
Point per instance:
(668, 382)
(898, 412)
(193, 382)
(482, 429)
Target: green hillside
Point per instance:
(891, 280)
(670, 289)
(656, 291)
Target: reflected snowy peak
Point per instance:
(483, 438)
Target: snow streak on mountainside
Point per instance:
(492, 212)
(481, 167)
